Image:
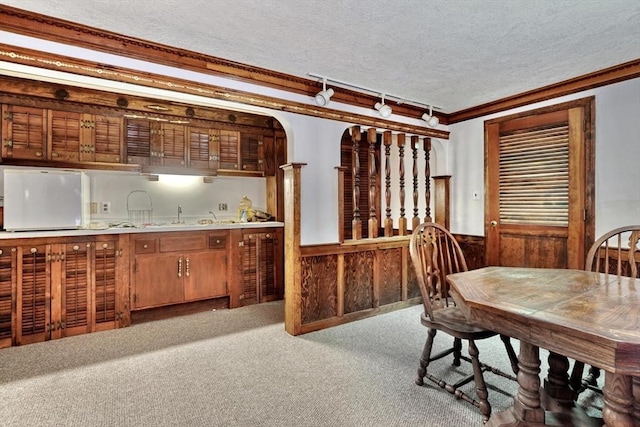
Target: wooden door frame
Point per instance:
(586, 108)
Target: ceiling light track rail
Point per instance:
(323, 97)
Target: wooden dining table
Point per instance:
(586, 316)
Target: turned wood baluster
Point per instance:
(372, 138)
(414, 149)
(356, 229)
(427, 179)
(402, 222)
(388, 222)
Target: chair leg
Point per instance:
(425, 358)
(457, 351)
(481, 388)
(513, 359)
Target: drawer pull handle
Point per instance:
(145, 246)
(180, 267)
(187, 268)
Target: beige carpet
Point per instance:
(237, 368)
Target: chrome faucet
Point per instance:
(214, 215)
(179, 212)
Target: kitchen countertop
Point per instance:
(4, 235)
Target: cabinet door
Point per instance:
(24, 132)
(110, 300)
(173, 146)
(261, 276)
(138, 137)
(107, 136)
(74, 286)
(203, 148)
(229, 143)
(33, 303)
(158, 280)
(252, 152)
(64, 131)
(7, 294)
(205, 275)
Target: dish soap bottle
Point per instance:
(244, 209)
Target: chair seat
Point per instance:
(452, 321)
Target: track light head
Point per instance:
(432, 121)
(324, 96)
(383, 109)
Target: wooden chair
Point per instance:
(616, 252)
(435, 254)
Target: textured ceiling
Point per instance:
(454, 54)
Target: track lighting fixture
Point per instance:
(324, 96)
(432, 121)
(383, 109)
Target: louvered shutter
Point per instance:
(534, 177)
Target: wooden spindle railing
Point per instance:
(402, 223)
(388, 222)
(427, 179)
(356, 228)
(415, 143)
(372, 139)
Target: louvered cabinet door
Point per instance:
(104, 142)
(24, 132)
(64, 131)
(229, 150)
(203, 148)
(173, 140)
(251, 152)
(261, 267)
(33, 322)
(71, 313)
(7, 294)
(111, 293)
(138, 141)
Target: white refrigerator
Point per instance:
(45, 199)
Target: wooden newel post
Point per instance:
(415, 143)
(292, 258)
(427, 179)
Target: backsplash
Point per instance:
(195, 197)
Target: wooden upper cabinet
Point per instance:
(65, 136)
(24, 132)
(251, 152)
(204, 148)
(169, 145)
(138, 138)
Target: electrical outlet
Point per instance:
(222, 206)
(93, 208)
(105, 207)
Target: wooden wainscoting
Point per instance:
(345, 282)
(473, 248)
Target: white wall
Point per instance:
(617, 141)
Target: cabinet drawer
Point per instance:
(146, 246)
(183, 243)
(217, 242)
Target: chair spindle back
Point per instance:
(616, 252)
(435, 253)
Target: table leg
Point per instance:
(558, 393)
(526, 408)
(618, 400)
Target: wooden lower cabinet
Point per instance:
(173, 268)
(261, 265)
(58, 287)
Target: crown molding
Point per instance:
(615, 74)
